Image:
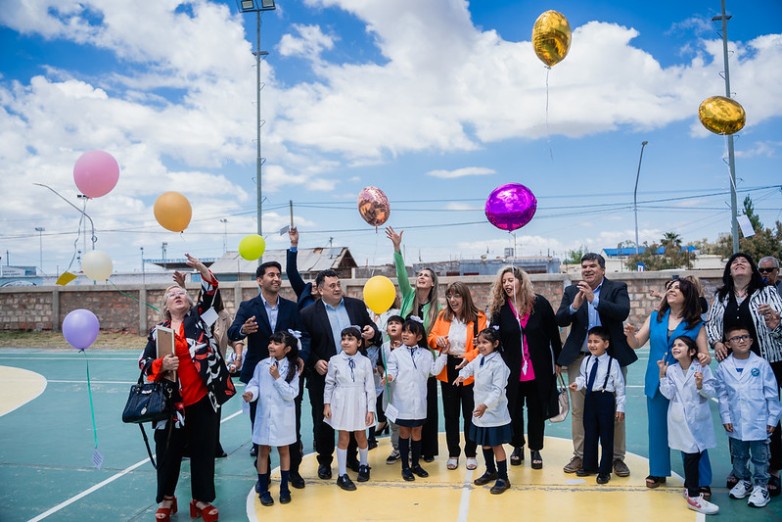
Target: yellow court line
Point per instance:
(450, 495)
(18, 387)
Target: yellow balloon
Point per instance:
(551, 37)
(379, 294)
(173, 211)
(722, 115)
(252, 247)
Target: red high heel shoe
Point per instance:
(209, 513)
(163, 514)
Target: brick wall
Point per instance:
(123, 307)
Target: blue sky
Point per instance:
(436, 102)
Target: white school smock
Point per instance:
(690, 428)
(275, 414)
(748, 400)
(410, 373)
(489, 389)
(351, 394)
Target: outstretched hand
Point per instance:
(395, 238)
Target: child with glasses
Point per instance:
(750, 409)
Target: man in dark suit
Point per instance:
(324, 321)
(594, 301)
(257, 319)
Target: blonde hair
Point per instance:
(165, 313)
(522, 302)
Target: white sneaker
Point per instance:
(472, 463)
(741, 490)
(759, 497)
(701, 505)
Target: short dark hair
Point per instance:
(601, 332)
(730, 328)
(261, 270)
(591, 256)
(323, 274)
(395, 319)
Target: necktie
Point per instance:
(352, 365)
(412, 356)
(592, 376)
(483, 360)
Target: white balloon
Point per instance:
(97, 265)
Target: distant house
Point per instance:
(469, 267)
(310, 261)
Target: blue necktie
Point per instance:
(592, 376)
(483, 360)
(352, 365)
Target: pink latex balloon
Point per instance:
(373, 206)
(510, 206)
(96, 173)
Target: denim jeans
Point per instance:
(741, 450)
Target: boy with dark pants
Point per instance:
(601, 375)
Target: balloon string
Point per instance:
(374, 255)
(548, 133)
(131, 296)
(516, 298)
(92, 406)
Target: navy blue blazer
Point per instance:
(613, 309)
(316, 323)
(288, 318)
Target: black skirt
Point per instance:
(410, 423)
(492, 436)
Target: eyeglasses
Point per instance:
(176, 294)
(767, 270)
(740, 339)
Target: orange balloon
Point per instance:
(173, 211)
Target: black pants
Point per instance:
(527, 393)
(599, 427)
(296, 447)
(200, 435)
(456, 400)
(776, 437)
(431, 428)
(691, 474)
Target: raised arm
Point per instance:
(399, 262)
(291, 266)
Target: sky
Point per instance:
(436, 102)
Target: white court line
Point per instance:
(109, 480)
(60, 381)
(464, 501)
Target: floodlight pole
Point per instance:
(635, 193)
(40, 231)
(734, 226)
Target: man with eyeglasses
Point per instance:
(769, 268)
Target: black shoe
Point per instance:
(353, 465)
(324, 472)
(603, 478)
(584, 473)
(363, 473)
(254, 451)
(296, 480)
(536, 459)
(489, 476)
(220, 452)
(407, 474)
(517, 457)
(706, 492)
(372, 444)
(266, 498)
(344, 482)
(428, 458)
(418, 470)
(285, 497)
(499, 487)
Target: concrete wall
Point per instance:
(129, 307)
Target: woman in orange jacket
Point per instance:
(454, 330)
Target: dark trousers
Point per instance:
(431, 429)
(599, 427)
(692, 473)
(776, 437)
(296, 447)
(323, 434)
(527, 393)
(456, 400)
(200, 435)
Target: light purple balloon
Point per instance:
(96, 173)
(80, 328)
(510, 206)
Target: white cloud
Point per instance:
(460, 173)
(309, 43)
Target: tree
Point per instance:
(671, 256)
(765, 242)
(574, 256)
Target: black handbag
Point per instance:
(149, 401)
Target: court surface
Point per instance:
(46, 469)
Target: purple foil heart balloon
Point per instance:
(511, 206)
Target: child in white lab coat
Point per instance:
(750, 409)
(275, 383)
(689, 386)
(409, 367)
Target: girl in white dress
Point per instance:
(689, 386)
(409, 367)
(491, 423)
(275, 383)
(349, 403)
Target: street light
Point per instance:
(254, 6)
(635, 194)
(40, 231)
(224, 221)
